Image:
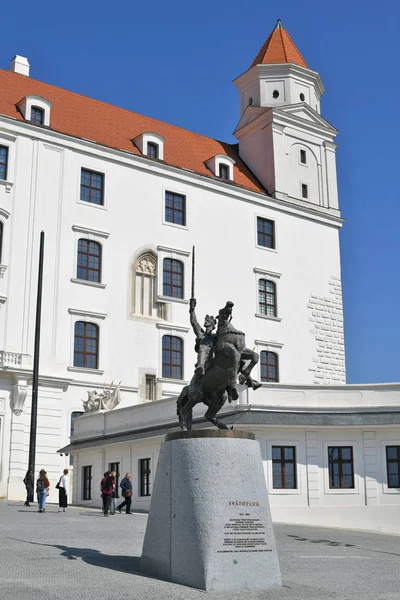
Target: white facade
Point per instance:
(42, 191)
(310, 419)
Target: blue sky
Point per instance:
(175, 61)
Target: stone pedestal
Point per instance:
(209, 524)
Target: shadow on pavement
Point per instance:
(123, 564)
(299, 538)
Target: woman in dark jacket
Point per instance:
(126, 486)
(28, 482)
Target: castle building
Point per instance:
(122, 199)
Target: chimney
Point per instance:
(19, 64)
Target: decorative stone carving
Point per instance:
(10, 359)
(108, 399)
(146, 265)
(17, 399)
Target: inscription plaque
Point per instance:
(245, 533)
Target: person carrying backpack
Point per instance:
(42, 490)
(107, 486)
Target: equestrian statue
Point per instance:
(222, 358)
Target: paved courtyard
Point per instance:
(80, 555)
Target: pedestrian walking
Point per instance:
(106, 487)
(29, 483)
(42, 490)
(113, 506)
(62, 486)
(126, 486)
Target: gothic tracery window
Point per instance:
(144, 296)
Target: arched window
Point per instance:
(172, 278)
(86, 345)
(172, 357)
(89, 261)
(144, 277)
(266, 297)
(37, 115)
(1, 240)
(269, 366)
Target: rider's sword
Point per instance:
(193, 257)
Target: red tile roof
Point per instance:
(279, 48)
(115, 127)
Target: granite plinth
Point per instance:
(209, 524)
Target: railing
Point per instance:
(10, 359)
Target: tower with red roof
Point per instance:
(282, 136)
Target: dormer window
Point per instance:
(152, 150)
(221, 166)
(223, 171)
(150, 144)
(37, 115)
(36, 110)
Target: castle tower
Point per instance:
(282, 136)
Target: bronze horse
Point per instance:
(218, 384)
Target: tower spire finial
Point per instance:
(279, 48)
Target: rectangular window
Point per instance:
(172, 278)
(265, 233)
(37, 115)
(341, 470)
(74, 415)
(144, 477)
(152, 150)
(393, 466)
(269, 367)
(266, 298)
(3, 162)
(224, 171)
(303, 157)
(284, 467)
(172, 357)
(86, 345)
(87, 483)
(175, 208)
(89, 261)
(150, 391)
(92, 187)
(304, 190)
(115, 467)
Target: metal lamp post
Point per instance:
(35, 382)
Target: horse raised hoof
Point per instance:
(256, 384)
(232, 393)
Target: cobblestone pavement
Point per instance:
(80, 555)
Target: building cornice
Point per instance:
(171, 327)
(89, 231)
(251, 416)
(281, 69)
(87, 313)
(123, 157)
